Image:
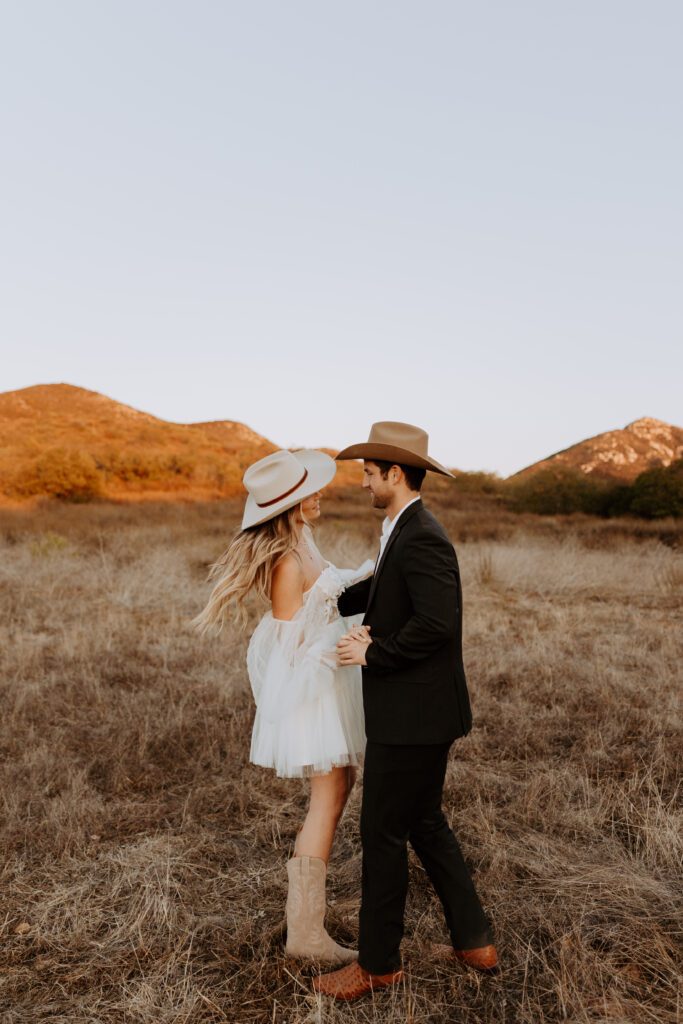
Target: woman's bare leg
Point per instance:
(329, 794)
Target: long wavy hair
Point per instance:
(246, 567)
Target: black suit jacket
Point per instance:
(414, 686)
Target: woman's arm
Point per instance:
(287, 588)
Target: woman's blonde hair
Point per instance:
(246, 567)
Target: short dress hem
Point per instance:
(309, 771)
(309, 710)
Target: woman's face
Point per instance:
(310, 507)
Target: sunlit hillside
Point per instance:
(63, 441)
(619, 454)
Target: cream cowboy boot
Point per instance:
(306, 935)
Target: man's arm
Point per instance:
(430, 572)
(355, 598)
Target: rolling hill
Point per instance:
(61, 440)
(618, 455)
(66, 441)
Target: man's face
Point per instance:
(381, 490)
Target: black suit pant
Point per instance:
(402, 792)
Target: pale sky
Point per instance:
(311, 215)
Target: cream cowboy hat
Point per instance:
(399, 443)
(281, 481)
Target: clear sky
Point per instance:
(311, 215)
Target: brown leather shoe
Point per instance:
(352, 982)
(484, 958)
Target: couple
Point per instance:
(322, 682)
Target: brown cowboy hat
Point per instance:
(399, 443)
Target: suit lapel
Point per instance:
(402, 520)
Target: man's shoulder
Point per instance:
(426, 520)
(424, 523)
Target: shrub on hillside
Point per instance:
(613, 500)
(478, 483)
(655, 494)
(147, 469)
(555, 491)
(63, 473)
(658, 492)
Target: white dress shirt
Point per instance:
(387, 527)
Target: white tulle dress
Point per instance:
(309, 710)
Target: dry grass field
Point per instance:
(143, 873)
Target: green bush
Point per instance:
(554, 491)
(614, 500)
(658, 492)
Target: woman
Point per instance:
(309, 710)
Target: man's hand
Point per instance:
(351, 649)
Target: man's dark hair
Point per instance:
(414, 474)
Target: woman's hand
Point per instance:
(352, 647)
(358, 633)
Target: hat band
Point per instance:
(281, 497)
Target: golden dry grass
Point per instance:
(143, 869)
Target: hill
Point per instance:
(61, 440)
(618, 455)
(66, 441)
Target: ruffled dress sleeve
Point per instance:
(292, 662)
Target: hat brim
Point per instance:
(391, 453)
(321, 469)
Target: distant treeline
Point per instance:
(75, 475)
(654, 494)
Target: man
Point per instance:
(416, 703)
